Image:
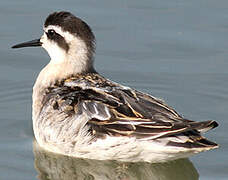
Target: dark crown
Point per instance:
(69, 22)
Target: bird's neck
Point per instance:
(53, 72)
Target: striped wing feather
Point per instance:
(120, 111)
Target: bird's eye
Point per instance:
(51, 33)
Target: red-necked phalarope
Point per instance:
(77, 112)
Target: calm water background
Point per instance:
(176, 50)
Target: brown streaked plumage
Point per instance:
(78, 112)
(130, 112)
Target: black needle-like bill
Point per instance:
(33, 43)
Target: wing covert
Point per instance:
(117, 110)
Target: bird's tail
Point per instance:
(204, 126)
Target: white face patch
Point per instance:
(56, 53)
(77, 54)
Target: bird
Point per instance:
(79, 113)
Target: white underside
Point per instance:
(124, 149)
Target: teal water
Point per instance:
(175, 50)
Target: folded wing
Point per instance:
(120, 111)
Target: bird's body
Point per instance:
(77, 112)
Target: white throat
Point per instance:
(64, 63)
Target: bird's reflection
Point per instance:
(51, 166)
